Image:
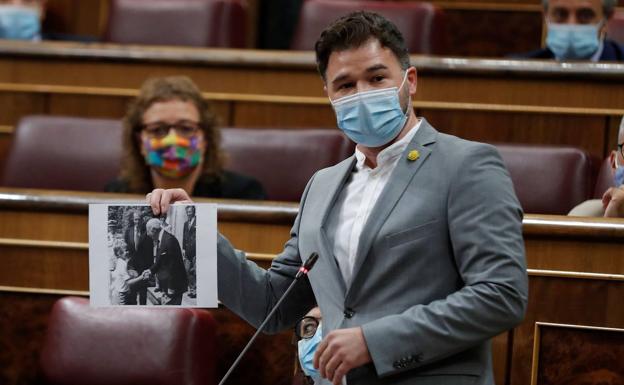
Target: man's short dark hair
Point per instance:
(355, 29)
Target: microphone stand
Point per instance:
(303, 270)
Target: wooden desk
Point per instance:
(533, 102)
(576, 265)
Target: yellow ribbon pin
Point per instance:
(413, 155)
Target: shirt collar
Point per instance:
(596, 56)
(390, 153)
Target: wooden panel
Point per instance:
(586, 132)
(15, 105)
(576, 354)
(92, 106)
(283, 115)
(75, 17)
(483, 32)
(500, 357)
(579, 301)
(45, 267)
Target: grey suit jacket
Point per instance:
(440, 267)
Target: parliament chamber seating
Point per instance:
(128, 346)
(63, 153)
(549, 180)
(67, 153)
(615, 27)
(422, 24)
(284, 160)
(198, 23)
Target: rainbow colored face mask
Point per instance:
(173, 156)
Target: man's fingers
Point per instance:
(606, 197)
(340, 372)
(160, 199)
(331, 366)
(153, 199)
(319, 350)
(324, 359)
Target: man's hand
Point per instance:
(160, 199)
(613, 202)
(340, 351)
(146, 274)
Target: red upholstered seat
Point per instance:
(421, 23)
(128, 346)
(549, 180)
(615, 27)
(284, 160)
(55, 152)
(198, 23)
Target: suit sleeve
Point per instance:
(485, 228)
(251, 291)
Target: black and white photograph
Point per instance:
(139, 259)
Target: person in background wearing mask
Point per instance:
(170, 140)
(309, 333)
(576, 30)
(21, 19)
(419, 234)
(612, 203)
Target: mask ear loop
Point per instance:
(409, 97)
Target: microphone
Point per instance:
(303, 270)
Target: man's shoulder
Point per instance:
(612, 51)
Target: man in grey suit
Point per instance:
(421, 257)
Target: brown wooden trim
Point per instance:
(535, 360)
(6, 130)
(36, 290)
(486, 6)
(297, 60)
(285, 212)
(574, 275)
(310, 100)
(43, 244)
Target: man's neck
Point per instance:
(371, 152)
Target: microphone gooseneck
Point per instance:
(303, 270)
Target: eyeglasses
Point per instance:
(161, 129)
(619, 146)
(562, 15)
(306, 327)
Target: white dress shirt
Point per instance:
(357, 199)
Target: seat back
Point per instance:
(198, 23)
(615, 27)
(283, 160)
(420, 23)
(54, 152)
(549, 180)
(88, 345)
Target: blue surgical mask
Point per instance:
(306, 349)
(19, 23)
(372, 118)
(573, 41)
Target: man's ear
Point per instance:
(612, 157)
(412, 79)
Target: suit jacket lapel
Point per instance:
(335, 182)
(401, 177)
